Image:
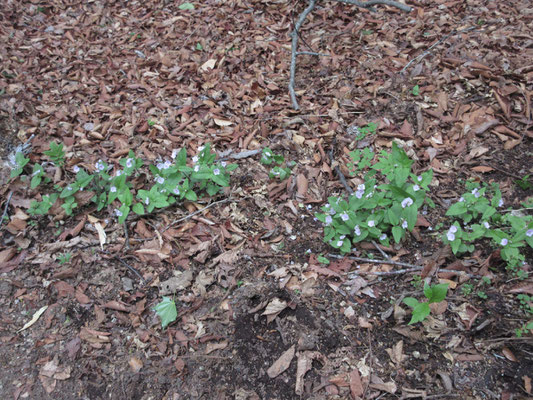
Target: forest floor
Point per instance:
(265, 308)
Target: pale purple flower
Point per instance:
(357, 230)
(371, 223)
(100, 165)
(340, 243)
(345, 217)
(476, 193)
(196, 168)
(201, 148)
(176, 190)
(486, 225)
(129, 162)
(419, 178)
(404, 224)
(361, 187)
(407, 202)
(342, 237)
(332, 211)
(500, 203)
(223, 164)
(174, 153)
(69, 188)
(450, 236)
(216, 171)
(160, 180)
(416, 188)
(195, 159)
(160, 166)
(328, 220)
(529, 232)
(359, 194)
(113, 189)
(383, 237)
(118, 173)
(452, 229)
(147, 201)
(461, 199)
(504, 242)
(118, 213)
(76, 169)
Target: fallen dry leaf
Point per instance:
(282, 363)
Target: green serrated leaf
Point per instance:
(166, 310)
(420, 312)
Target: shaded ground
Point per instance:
(92, 75)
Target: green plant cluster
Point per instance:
(386, 204)
(173, 181)
(279, 170)
(433, 294)
(478, 218)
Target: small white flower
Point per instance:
(37, 172)
(223, 164)
(327, 205)
(201, 148)
(370, 194)
(345, 217)
(196, 168)
(404, 224)
(195, 159)
(118, 173)
(361, 187)
(147, 201)
(500, 203)
(476, 193)
(383, 237)
(486, 225)
(504, 242)
(452, 229)
(340, 243)
(113, 189)
(160, 180)
(332, 211)
(419, 178)
(76, 169)
(416, 188)
(461, 199)
(342, 237)
(359, 193)
(450, 236)
(371, 223)
(328, 220)
(129, 162)
(407, 202)
(216, 171)
(69, 188)
(160, 166)
(176, 190)
(118, 213)
(357, 230)
(174, 154)
(309, 207)
(529, 232)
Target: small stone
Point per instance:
(127, 284)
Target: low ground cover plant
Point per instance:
(384, 206)
(174, 180)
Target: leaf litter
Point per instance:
(257, 315)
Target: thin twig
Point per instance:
(312, 53)
(6, 207)
(126, 235)
(131, 269)
(338, 170)
(428, 51)
(195, 213)
(410, 267)
(370, 3)
(385, 255)
(294, 49)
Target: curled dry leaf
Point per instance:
(282, 363)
